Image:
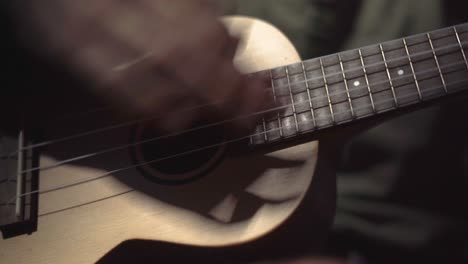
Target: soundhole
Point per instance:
(179, 157)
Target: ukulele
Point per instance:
(84, 188)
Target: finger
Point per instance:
(141, 88)
(239, 95)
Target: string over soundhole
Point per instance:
(179, 157)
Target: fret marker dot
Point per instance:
(357, 83)
(401, 72)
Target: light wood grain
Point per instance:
(198, 213)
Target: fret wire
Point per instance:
(292, 99)
(461, 46)
(389, 60)
(412, 70)
(347, 88)
(274, 98)
(308, 94)
(437, 62)
(389, 76)
(415, 43)
(328, 91)
(367, 81)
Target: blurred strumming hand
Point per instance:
(149, 56)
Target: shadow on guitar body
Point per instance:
(304, 233)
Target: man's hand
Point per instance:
(150, 56)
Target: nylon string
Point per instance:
(271, 110)
(315, 78)
(110, 173)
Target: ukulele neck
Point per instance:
(354, 85)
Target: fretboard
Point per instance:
(349, 86)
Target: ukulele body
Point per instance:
(246, 203)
